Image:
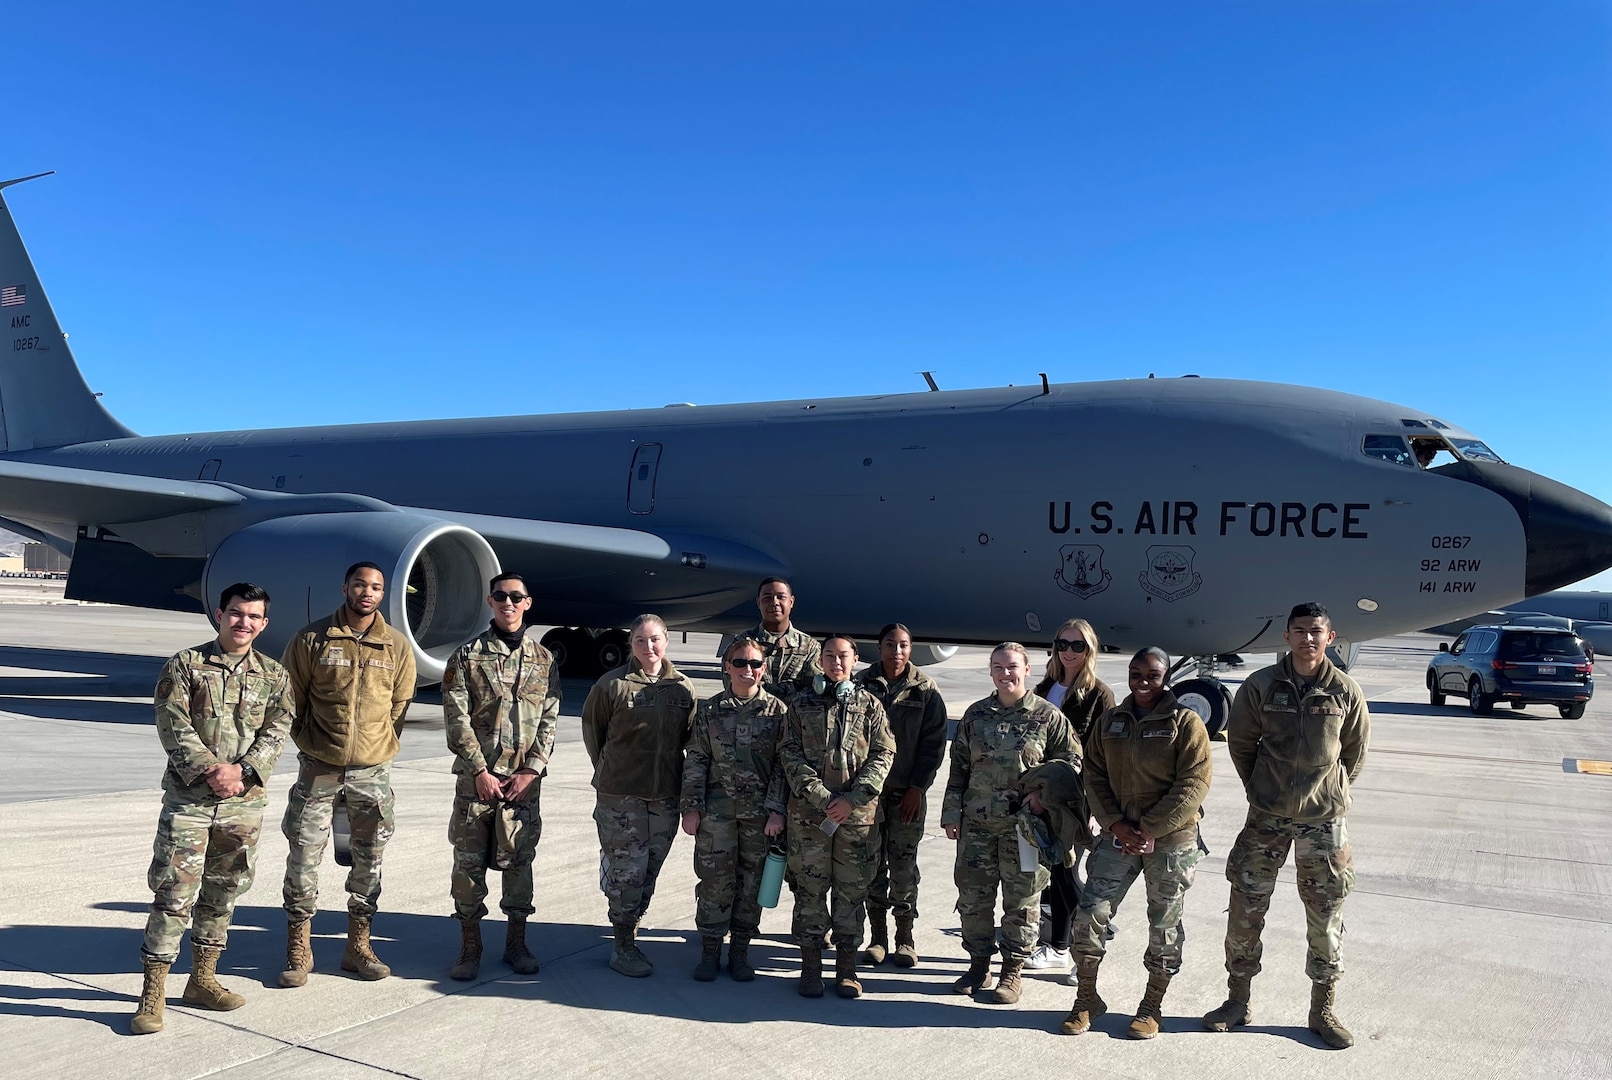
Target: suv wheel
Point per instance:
(1435, 696)
(1476, 699)
(1574, 711)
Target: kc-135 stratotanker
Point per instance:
(1200, 511)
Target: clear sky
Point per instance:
(311, 213)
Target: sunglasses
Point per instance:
(1070, 646)
(753, 665)
(509, 597)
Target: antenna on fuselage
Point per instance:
(929, 377)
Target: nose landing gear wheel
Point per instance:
(1209, 698)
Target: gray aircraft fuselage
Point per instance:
(1189, 513)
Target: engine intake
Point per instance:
(436, 576)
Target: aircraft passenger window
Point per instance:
(1387, 447)
(1475, 450)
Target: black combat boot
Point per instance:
(710, 959)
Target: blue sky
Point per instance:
(326, 213)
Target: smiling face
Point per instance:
(1147, 681)
(509, 613)
(838, 657)
(746, 668)
(1008, 669)
(240, 623)
(1071, 656)
(895, 650)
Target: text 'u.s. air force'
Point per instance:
(1322, 520)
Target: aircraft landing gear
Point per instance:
(1204, 694)
(585, 654)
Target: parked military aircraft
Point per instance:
(1588, 614)
(1187, 513)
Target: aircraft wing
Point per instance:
(61, 493)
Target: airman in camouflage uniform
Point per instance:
(917, 715)
(733, 800)
(353, 679)
(1147, 775)
(791, 653)
(223, 711)
(1297, 734)
(500, 704)
(999, 738)
(635, 724)
(837, 750)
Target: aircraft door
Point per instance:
(641, 480)
(1604, 606)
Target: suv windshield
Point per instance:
(1538, 645)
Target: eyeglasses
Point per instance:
(753, 665)
(510, 597)
(1070, 646)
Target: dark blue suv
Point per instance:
(1523, 665)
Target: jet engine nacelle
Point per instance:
(436, 576)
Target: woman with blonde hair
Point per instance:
(1071, 683)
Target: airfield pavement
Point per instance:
(1479, 937)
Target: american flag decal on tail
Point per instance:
(13, 295)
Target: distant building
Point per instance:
(44, 559)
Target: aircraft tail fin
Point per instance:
(44, 400)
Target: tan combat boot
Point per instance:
(516, 954)
(1234, 1011)
(469, 962)
(811, 972)
(710, 959)
(846, 984)
(878, 937)
(1145, 1024)
(360, 957)
(977, 977)
(1322, 1020)
(627, 958)
(1007, 987)
(906, 954)
(1088, 1005)
(739, 965)
(298, 953)
(153, 997)
(203, 988)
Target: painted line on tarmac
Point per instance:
(1587, 766)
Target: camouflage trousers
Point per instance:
(201, 863)
(472, 830)
(728, 855)
(1326, 875)
(634, 838)
(1167, 874)
(368, 792)
(895, 882)
(988, 860)
(842, 864)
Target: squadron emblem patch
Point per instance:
(1080, 570)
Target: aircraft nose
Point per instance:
(1569, 533)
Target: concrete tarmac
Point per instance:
(1479, 936)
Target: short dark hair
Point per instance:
(1309, 610)
(1153, 652)
(774, 581)
(492, 582)
(357, 566)
(245, 591)
(847, 638)
(891, 628)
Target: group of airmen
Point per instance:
(1054, 792)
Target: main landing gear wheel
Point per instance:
(1435, 696)
(573, 650)
(611, 649)
(1209, 698)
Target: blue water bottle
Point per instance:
(772, 876)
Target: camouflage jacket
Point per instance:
(1151, 770)
(733, 769)
(209, 713)
(917, 716)
(500, 707)
(993, 746)
(831, 749)
(792, 659)
(635, 728)
(351, 691)
(1299, 753)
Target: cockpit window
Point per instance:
(1441, 425)
(1432, 451)
(1475, 450)
(1387, 447)
(1413, 423)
